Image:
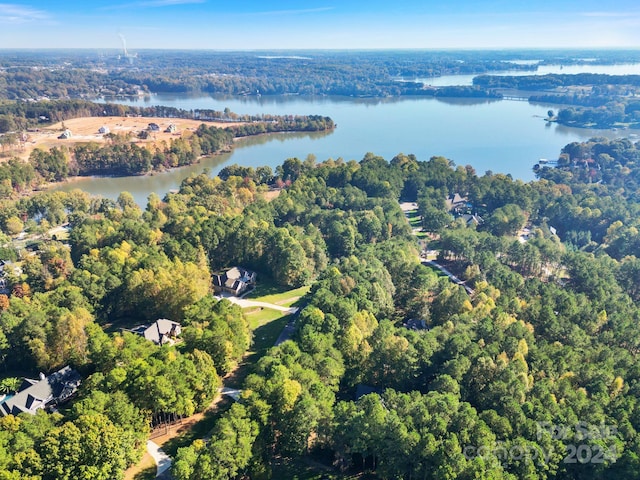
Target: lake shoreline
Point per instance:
(500, 136)
(52, 186)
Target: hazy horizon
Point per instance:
(349, 25)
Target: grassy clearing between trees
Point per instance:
(414, 218)
(267, 291)
(266, 326)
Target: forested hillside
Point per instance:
(534, 374)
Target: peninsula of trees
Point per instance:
(120, 155)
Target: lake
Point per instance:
(618, 69)
(501, 136)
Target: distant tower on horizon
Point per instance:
(128, 56)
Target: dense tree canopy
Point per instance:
(450, 383)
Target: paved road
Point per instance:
(287, 332)
(407, 207)
(163, 461)
(290, 328)
(451, 276)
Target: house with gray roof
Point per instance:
(235, 281)
(34, 395)
(159, 332)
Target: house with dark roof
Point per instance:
(159, 332)
(416, 324)
(153, 127)
(235, 281)
(34, 395)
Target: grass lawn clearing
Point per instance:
(259, 317)
(415, 220)
(267, 291)
(266, 326)
(284, 298)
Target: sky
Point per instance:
(328, 24)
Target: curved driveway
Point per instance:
(163, 461)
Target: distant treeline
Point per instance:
(57, 75)
(551, 81)
(22, 115)
(597, 100)
(63, 75)
(612, 114)
(571, 99)
(463, 91)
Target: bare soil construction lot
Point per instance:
(86, 130)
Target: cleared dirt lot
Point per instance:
(86, 130)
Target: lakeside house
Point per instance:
(46, 392)
(160, 332)
(236, 281)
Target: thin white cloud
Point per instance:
(300, 11)
(11, 13)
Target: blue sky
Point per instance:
(346, 24)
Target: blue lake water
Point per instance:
(502, 136)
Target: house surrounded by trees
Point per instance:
(235, 281)
(34, 395)
(159, 332)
